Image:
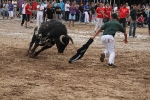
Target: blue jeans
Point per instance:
(5, 13)
(132, 31)
(81, 17)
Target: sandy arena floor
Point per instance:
(49, 76)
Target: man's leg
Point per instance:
(100, 22)
(40, 20)
(134, 28)
(111, 49)
(104, 42)
(97, 23)
(37, 20)
(130, 30)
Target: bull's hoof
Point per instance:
(31, 55)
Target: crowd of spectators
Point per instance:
(90, 13)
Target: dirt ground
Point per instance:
(49, 76)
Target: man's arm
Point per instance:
(98, 31)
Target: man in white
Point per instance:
(67, 6)
(86, 9)
(44, 12)
(14, 2)
(115, 9)
(23, 13)
(39, 17)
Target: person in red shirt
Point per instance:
(140, 21)
(28, 12)
(107, 11)
(123, 14)
(34, 8)
(99, 16)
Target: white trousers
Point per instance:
(39, 19)
(108, 42)
(86, 18)
(98, 23)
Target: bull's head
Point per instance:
(62, 42)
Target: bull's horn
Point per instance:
(71, 39)
(61, 37)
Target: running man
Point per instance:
(107, 38)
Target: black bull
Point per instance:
(52, 32)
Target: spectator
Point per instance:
(1, 6)
(55, 4)
(140, 21)
(58, 12)
(115, 9)
(20, 2)
(99, 16)
(28, 12)
(123, 14)
(77, 13)
(34, 8)
(86, 9)
(128, 6)
(44, 12)
(10, 9)
(72, 14)
(107, 12)
(31, 13)
(93, 13)
(49, 13)
(139, 11)
(97, 5)
(23, 13)
(133, 14)
(127, 19)
(14, 2)
(39, 17)
(62, 6)
(5, 10)
(67, 6)
(81, 16)
(149, 21)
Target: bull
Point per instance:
(47, 35)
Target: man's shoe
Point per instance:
(102, 57)
(21, 24)
(111, 65)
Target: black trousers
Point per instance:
(23, 18)
(67, 15)
(123, 22)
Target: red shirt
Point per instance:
(100, 12)
(123, 12)
(141, 19)
(27, 8)
(34, 5)
(107, 11)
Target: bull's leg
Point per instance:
(32, 42)
(42, 49)
(36, 44)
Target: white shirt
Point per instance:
(67, 5)
(23, 8)
(41, 8)
(45, 5)
(115, 9)
(14, 3)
